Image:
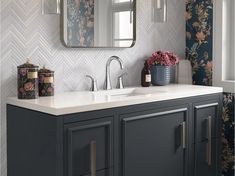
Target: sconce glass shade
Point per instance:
(50, 7)
(159, 11)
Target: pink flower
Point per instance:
(150, 61)
(21, 90)
(23, 71)
(163, 58)
(28, 86)
(49, 89)
(43, 92)
(41, 79)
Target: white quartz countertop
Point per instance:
(75, 102)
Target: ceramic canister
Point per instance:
(46, 82)
(27, 81)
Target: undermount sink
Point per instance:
(128, 92)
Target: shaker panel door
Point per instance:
(155, 144)
(89, 147)
(206, 121)
(206, 159)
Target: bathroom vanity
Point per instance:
(167, 131)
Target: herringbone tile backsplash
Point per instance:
(26, 33)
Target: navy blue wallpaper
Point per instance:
(199, 49)
(199, 19)
(228, 135)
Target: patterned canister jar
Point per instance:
(27, 81)
(46, 82)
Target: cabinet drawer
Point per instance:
(206, 121)
(88, 147)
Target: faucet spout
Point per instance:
(108, 84)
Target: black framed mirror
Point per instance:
(98, 23)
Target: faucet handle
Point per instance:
(120, 81)
(123, 74)
(93, 83)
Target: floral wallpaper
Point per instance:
(228, 135)
(199, 49)
(80, 23)
(199, 44)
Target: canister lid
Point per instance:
(45, 70)
(28, 65)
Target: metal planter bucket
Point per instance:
(161, 75)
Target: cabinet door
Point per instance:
(206, 118)
(155, 144)
(207, 159)
(89, 148)
(207, 132)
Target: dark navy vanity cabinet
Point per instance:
(179, 137)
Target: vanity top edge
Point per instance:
(76, 102)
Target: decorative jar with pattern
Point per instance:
(27, 81)
(46, 82)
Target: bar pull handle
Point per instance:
(93, 157)
(209, 142)
(183, 135)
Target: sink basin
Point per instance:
(128, 92)
(148, 90)
(115, 92)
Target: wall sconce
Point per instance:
(159, 11)
(50, 7)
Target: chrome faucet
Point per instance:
(108, 85)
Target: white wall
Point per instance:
(26, 33)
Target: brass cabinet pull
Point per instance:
(209, 138)
(183, 135)
(93, 158)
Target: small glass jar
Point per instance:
(46, 82)
(27, 81)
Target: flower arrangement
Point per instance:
(163, 59)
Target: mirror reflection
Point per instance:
(98, 23)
